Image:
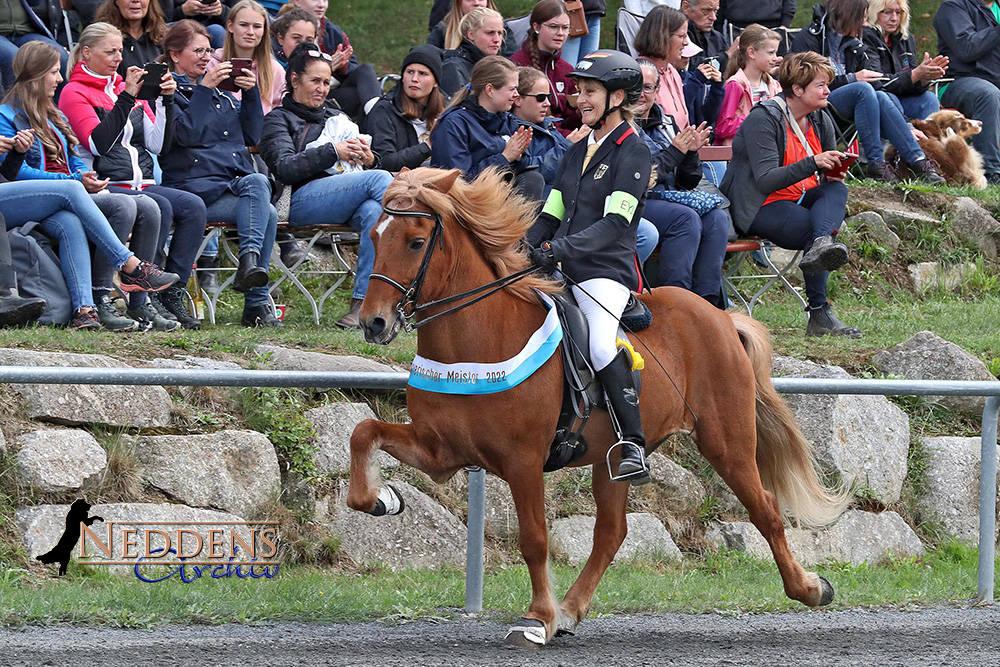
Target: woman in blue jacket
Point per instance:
(587, 225)
(477, 130)
(209, 157)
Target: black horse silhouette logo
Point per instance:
(64, 548)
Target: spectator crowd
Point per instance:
(167, 115)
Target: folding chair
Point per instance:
(773, 275)
(626, 27)
(519, 28)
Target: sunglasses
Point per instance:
(319, 54)
(539, 97)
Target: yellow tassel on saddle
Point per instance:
(637, 363)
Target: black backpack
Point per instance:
(39, 274)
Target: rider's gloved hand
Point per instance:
(543, 257)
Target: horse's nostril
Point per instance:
(377, 325)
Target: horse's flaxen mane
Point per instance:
(495, 216)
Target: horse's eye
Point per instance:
(417, 244)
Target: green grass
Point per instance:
(728, 582)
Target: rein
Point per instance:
(411, 294)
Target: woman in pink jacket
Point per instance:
(748, 80)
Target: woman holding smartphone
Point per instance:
(248, 38)
(142, 25)
(120, 135)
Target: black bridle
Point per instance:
(411, 294)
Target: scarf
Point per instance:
(308, 114)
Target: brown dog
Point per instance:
(947, 132)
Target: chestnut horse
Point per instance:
(720, 363)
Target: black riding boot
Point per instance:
(624, 403)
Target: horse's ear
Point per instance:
(404, 170)
(445, 182)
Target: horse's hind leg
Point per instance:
(609, 533)
(729, 445)
(399, 440)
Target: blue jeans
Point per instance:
(647, 237)
(70, 216)
(692, 246)
(256, 223)
(9, 47)
(917, 106)
(354, 198)
(796, 225)
(979, 99)
(877, 117)
(135, 217)
(574, 49)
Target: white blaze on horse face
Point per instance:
(382, 226)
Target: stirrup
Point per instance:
(636, 477)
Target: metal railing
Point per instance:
(477, 477)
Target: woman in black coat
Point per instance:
(401, 123)
(332, 171)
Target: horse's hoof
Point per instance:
(567, 627)
(389, 502)
(827, 592)
(528, 633)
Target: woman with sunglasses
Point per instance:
(209, 158)
(477, 130)
(402, 121)
(541, 49)
(333, 182)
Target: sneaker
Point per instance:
(147, 277)
(259, 316)
(825, 254)
(882, 171)
(85, 318)
(822, 322)
(173, 302)
(926, 170)
(111, 319)
(157, 300)
(148, 313)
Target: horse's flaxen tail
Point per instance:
(784, 457)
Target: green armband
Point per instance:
(623, 204)
(554, 205)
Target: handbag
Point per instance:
(577, 19)
(702, 202)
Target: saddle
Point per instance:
(582, 390)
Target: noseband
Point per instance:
(408, 306)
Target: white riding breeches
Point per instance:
(602, 301)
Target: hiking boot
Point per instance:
(882, 171)
(208, 274)
(291, 252)
(147, 277)
(825, 254)
(147, 313)
(352, 320)
(623, 401)
(16, 310)
(259, 316)
(85, 317)
(822, 322)
(926, 170)
(111, 319)
(172, 300)
(156, 300)
(249, 274)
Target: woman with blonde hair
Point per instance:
(143, 27)
(448, 34)
(51, 156)
(482, 31)
(887, 36)
(248, 36)
(119, 135)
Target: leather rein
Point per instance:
(408, 307)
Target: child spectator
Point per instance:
(748, 79)
(291, 29)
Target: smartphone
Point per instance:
(845, 164)
(150, 89)
(239, 64)
(714, 62)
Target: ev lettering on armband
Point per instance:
(623, 204)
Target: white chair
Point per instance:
(643, 7)
(626, 28)
(519, 28)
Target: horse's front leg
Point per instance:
(537, 626)
(402, 442)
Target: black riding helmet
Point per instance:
(615, 71)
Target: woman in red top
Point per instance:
(541, 50)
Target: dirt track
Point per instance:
(951, 637)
